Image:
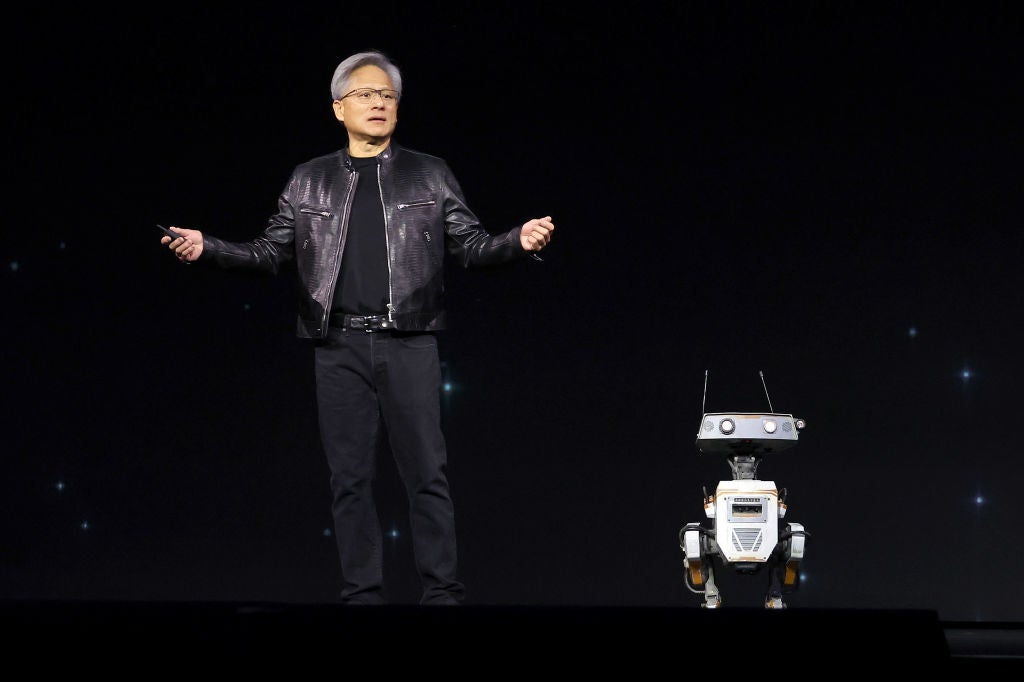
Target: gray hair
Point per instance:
(342, 74)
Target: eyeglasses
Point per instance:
(365, 95)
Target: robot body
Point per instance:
(747, 532)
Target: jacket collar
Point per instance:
(385, 156)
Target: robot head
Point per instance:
(745, 437)
(747, 433)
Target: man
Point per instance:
(369, 226)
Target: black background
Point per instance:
(827, 193)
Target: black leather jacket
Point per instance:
(424, 213)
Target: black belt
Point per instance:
(368, 323)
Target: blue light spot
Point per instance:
(247, 306)
(979, 500)
(14, 266)
(60, 486)
(393, 533)
(447, 387)
(912, 332)
(966, 374)
(84, 525)
(62, 246)
(327, 532)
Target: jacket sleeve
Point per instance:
(264, 253)
(469, 242)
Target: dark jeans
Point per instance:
(364, 379)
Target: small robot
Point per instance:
(747, 531)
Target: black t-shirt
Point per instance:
(363, 284)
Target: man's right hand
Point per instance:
(188, 247)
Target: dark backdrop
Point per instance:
(827, 193)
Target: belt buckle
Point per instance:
(373, 323)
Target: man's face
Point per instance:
(368, 116)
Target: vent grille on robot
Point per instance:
(747, 539)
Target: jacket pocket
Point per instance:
(422, 203)
(433, 251)
(316, 212)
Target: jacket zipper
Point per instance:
(343, 221)
(387, 244)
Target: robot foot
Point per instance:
(774, 602)
(714, 602)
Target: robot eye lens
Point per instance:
(770, 425)
(727, 426)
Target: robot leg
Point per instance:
(697, 544)
(712, 598)
(784, 574)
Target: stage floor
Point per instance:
(569, 639)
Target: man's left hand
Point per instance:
(536, 233)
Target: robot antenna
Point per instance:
(770, 408)
(704, 401)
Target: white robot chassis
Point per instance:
(747, 530)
